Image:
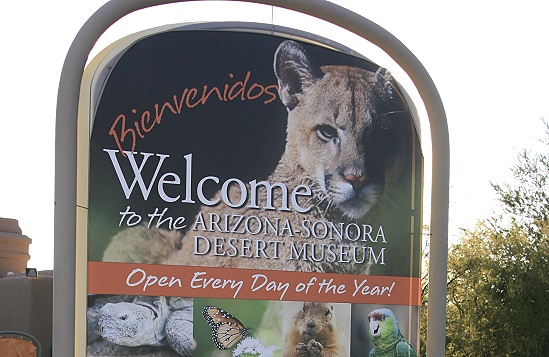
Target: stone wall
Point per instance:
(26, 303)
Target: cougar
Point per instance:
(342, 149)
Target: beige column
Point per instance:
(14, 247)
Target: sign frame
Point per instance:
(68, 207)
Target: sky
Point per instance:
(488, 60)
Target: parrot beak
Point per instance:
(374, 328)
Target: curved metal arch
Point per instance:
(65, 155)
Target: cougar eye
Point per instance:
(326, 132)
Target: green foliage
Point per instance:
(497, 293)
(498, 275)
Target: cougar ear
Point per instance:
(387, 95)
(295, 71)
(384, 83)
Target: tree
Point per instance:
(498, 287)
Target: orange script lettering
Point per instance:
(126, 132)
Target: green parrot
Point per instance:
(386, 336)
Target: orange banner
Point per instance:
(192, 281)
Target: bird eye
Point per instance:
(326, 132)
(383, 317)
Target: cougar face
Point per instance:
(338, 132)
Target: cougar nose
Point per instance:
(357, 182)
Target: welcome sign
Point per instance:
(251, 194)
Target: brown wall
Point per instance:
(26, 305)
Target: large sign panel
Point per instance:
(252, 194)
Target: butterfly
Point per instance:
(227, 330)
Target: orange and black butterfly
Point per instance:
(227, 330)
